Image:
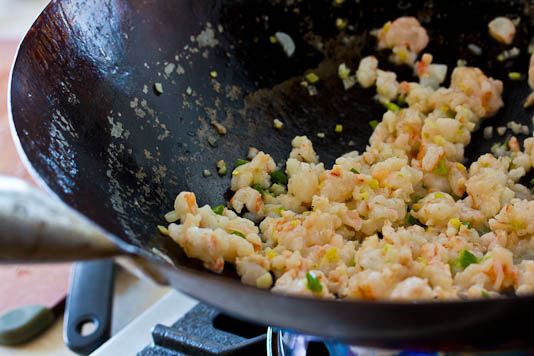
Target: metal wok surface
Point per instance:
(105, 142)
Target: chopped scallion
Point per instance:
(392, 107)
(312, 77)
(260, 189)
(514, 75)
(218, 209)
(410, 220)
(240, 162)
(238, 234)
(278, 177)
(465, 258)
(353, 170)
(467, 223)
(441, 169)
(373, 124)
(313, 283)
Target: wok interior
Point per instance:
(100, 136)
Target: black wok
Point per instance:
(100, 137)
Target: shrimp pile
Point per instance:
(404, 220)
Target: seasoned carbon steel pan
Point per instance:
(108, 145)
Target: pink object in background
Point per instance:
(45, 284)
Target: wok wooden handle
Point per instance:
(34, 227)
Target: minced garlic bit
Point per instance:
(273, 39)
(158, 87)
(212, 141)
(206, 173)
(312, 90)
(339, 128)
(343, 71)
(312, 77)
(320, 134)
(304, 84)
(475, 49)
(341, 23)
(171, 216)
(189, 91)
(252, 152)
(349, 82)
(213, 74)
(488, 132)
(514, 75)
(461, 63)
(514, 126)
(509, 53)
(278, 124)
(501, 130)
(287, 43)
(221, 167)
(163, 230)
(264, 281)
(220, 128)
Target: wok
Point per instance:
(102, 140)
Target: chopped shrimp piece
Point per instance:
(412, 288)
(303, 150)
(502, 29)
(185, 203)
(256, 171)
(472, 82)
(250, 198)
(404, 31)
(430, 75)
(213, 247)
(367, 71)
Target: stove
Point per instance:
(179, 326)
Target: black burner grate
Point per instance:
(203, 331)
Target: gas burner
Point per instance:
(205, 331)
(287, 343)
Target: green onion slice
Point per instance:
(238, 234)
(313, 283)
(278, 177)
(218, 209)
(240, 162)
